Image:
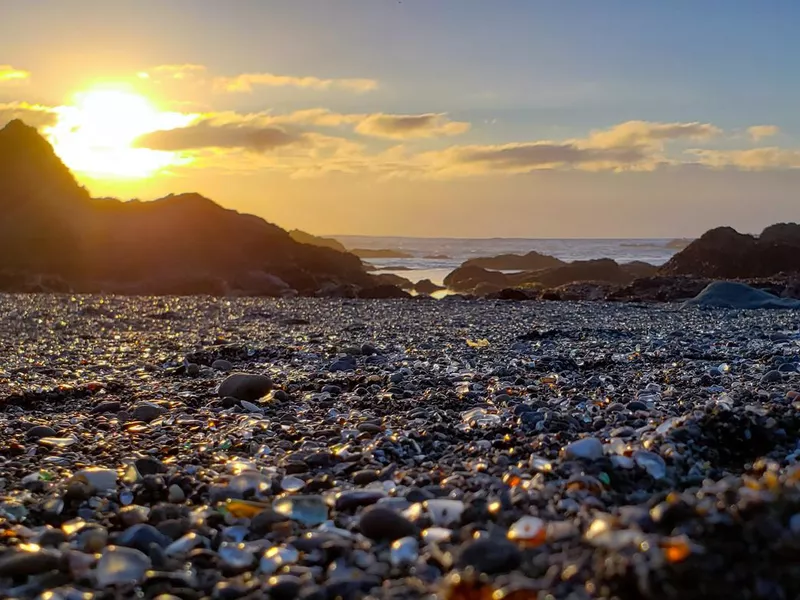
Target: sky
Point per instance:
(445, 118)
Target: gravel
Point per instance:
(397, 449)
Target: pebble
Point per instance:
(490, 556)
(101, 480)
(121, 566)
(245, 386)
(222, 365)
(17, 563)
(774, 376)
(380, 523)
(40, 431)
(587, 448)
(147, 412)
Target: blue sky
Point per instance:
(515, 72)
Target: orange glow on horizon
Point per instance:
(95, 133)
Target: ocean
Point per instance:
(434, 258)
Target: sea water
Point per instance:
(434, 258)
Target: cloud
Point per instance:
(35, 115)
(629, 146)
(649, 134)
(206, 134)
(755, 159)
(11, 76)
(247, 81)
(410, 126)
(177, 71)
(526, 157)
(758, 132)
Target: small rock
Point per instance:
(101, 480)
(176, 494)
(772, 377)
(245, 386)
(21, 564)
(222, 365)
(121, 566)
(110, 406)
(587, 448)
(147, 411)
(490, 556)
(141, 536)
(149, 466)
(40, 431)
(380, 523)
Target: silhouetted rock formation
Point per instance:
(532, 261)
(380, 253)
(314, 240)
(601, 270)
(52, 230)
(604, 270)
(724, 253)
(426, 286)
(467, 279)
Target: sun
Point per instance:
(95, 134)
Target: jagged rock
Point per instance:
(314, 240)
(602, 269)
(532, 261)
(724, 253)
(426, 286)
(466, 279)
(185, 243)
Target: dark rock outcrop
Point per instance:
(314, 240)
(392, 279)
(466, 279)
(426, 286)
(602, 269)
(532, 261)
(51, 229)
(724, 253)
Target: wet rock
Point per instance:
(121, 566)
(490, 556)
(245, 386)
(147, 412)
(381, 523)
(15, 563)
(40, 431)
(586, 448)
(222, 365)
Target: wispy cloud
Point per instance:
(402, 127)
(205, 134)
(629, 146)
(11, 76)
(649, 134)
(754, 159)
(759, 132)
(35, 115)
(247, 81)
(176, 72)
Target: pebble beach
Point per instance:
(229, 448)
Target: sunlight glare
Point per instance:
(95, 134)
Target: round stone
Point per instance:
(379, 523)
(245, 386)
